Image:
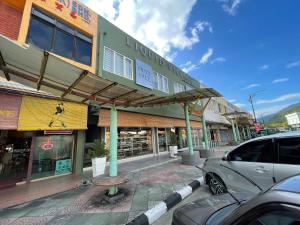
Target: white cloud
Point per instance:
(219, 59)
(230, 6)
(273, 109)
(264, 67)
(251, 86)
(293, 64)
(279, 99)
(189, 66)
(204, 59)
(103, 7)
(232, 100)
(280, 80)
(240, 105)
(160, 25)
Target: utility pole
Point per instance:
(251, 102)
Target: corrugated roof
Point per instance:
(14, 87)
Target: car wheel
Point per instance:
(216, 185)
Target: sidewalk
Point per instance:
(84, 205)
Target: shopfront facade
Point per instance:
(38, 138)
(145, 134)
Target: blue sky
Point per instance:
(238, 47)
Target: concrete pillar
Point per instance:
(238, 132)
(113, 162)
(155, 143)
(248, 132)
(234, 132)
(204, 129)
(188, 129)
(180, 138)
(79, 149)
(244, 134)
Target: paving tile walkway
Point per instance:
(84, 204)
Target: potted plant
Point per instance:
(173, 144)
(98, 156)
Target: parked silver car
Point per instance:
(265, 160)
(279, 205)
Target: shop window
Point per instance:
(108, 64)
(178, 87)
(49, 34)
(133, 141)
(188, 88)
(83, 51)
(63, 44)
(160, 82)
(118, 64)
(52, 155)
(128, 68)
(41, 34)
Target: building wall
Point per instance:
(117, 40)
(10, 17)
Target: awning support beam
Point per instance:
(81, 76)
(101, 91)
(124, 95)
(2, 66)
(42, 70)
(152, 100)
(141, 98)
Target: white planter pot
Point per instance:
(173, 151)
(98, 165)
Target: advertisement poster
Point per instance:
(49, 114)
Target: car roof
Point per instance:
(290, 184)
(278, 135)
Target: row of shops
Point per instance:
(102, 84)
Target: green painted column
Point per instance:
(113, 150)
(248, 132)
(238, 132)
(180, 138)
(188, 129)
(233, 132)
(79, 149)
(204, 130)
(244, 133)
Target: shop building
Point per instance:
(38, 134)
(64, 48)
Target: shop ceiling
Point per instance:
(41, 70)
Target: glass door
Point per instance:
(14, 157)
(162, 139)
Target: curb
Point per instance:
(153, 214)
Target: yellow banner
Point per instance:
(49, 114)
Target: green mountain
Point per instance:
(278, 119)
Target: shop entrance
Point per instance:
(14, 157)
(162, 139)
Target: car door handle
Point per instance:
(261, 169)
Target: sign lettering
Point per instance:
(77, 9)
(144, 74)
(149, 54)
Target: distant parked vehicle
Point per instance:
(278, 206)
(266, 160)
